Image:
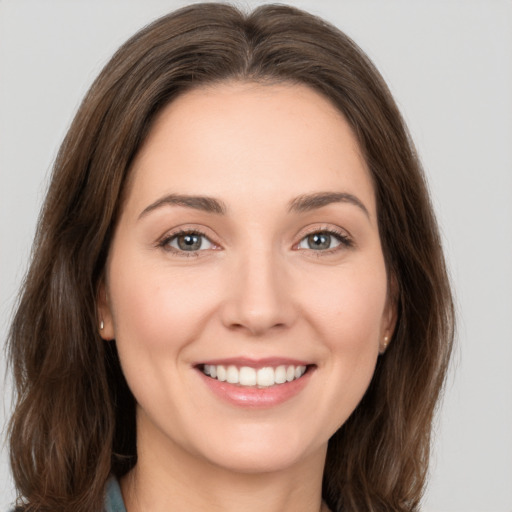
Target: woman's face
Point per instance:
(246, 286)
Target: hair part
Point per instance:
(74, 422)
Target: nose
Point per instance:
(259, 294)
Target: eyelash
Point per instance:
(164, 243)
(345, 242)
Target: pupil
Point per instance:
(319, 241)
(189, 242)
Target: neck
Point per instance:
(174, 479)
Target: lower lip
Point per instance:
(253, 397)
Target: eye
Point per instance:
(187, 241)
(323, 241)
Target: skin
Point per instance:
(255, 289)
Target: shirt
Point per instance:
(113, 499)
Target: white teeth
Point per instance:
(280, 375)
(247, 376)
(266, 377)
(221, 373)
(299, 371)
(232, 375)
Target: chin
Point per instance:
(257, 462)
(266, 452)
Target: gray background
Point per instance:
(449, 65)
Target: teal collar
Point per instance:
(113, 499)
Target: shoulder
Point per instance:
(113, 498)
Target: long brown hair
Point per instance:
(73, 424)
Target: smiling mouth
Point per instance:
(246, 376)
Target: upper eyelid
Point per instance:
(335, 230)
(171, 236)
(302, 233)
(344, 239)
(185, 229)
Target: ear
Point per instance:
(390, 315)
(104, 312)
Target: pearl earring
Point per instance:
(384, 345)
(101, 325)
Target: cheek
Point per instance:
(348, 318)
(157, 314)
(155, 309)
(351, 300)
(348, 312)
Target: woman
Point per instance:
(238, 297)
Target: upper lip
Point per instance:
(255, 363)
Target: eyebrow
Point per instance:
(303, 203)
(203, 203)
(308, 202)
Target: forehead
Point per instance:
(274, 140)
